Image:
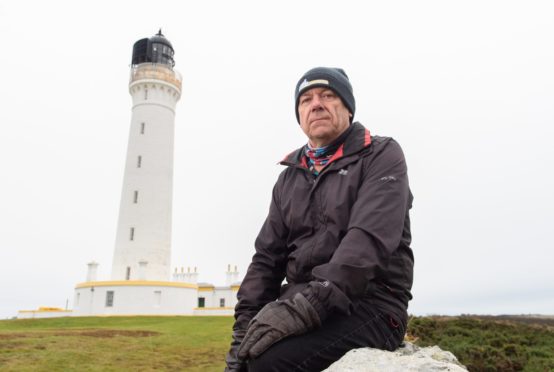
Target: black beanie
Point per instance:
(328, 77)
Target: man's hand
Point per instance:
(232, 360)
(276, 321)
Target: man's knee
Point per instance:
(281, 356)
(268, 361)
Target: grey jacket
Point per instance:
(339, 237)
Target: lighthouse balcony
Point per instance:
(155, 71)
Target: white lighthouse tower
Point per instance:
(140, 281)
(143, 240)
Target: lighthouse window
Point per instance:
(128, 273)
(135, 197)
(157, 298)
(132, 235)
(109, 299)
(142, 128)
(201, 302)
(221, 302)
(139, 161)
(145, 94)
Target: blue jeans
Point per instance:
(367, 326)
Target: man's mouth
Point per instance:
(315, 120)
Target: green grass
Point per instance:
(115, 344)
(200, 343)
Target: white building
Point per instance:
(140, 281)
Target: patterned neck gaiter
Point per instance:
(319, 155)
(322, 155)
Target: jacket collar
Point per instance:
(358, 139)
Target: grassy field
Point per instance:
(199, 343)
(115, 344)
(491, 343)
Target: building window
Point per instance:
(158, 298)
(142, 128)
(145, 94)
(128, 273)
(109, 299)
(221, 302)
(135, 197)
(132, 234)
(201, 302)
(139, 161)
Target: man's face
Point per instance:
(323, 116)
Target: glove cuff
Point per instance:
(311, 316)
(326, 298)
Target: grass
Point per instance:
(199, 343)
(115, 344)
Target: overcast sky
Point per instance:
(466, 88)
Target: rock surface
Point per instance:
(409, 358)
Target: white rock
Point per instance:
(409, 358)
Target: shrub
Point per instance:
(488, 343)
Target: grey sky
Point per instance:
(467, 88)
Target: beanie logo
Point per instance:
(307, 83)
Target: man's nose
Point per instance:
(316, 103)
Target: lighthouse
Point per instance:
(140, 282)
(143, 238)
(140, 278)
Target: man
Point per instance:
(338, 231)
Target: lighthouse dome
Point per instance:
(159, 38)
(156, 49)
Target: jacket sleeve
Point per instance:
(263, 278)
(374, 233)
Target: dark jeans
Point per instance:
(367, 326)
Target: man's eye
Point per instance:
(328, 96)
(304, 100)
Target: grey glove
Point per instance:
(276, 321)
(232, 360)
